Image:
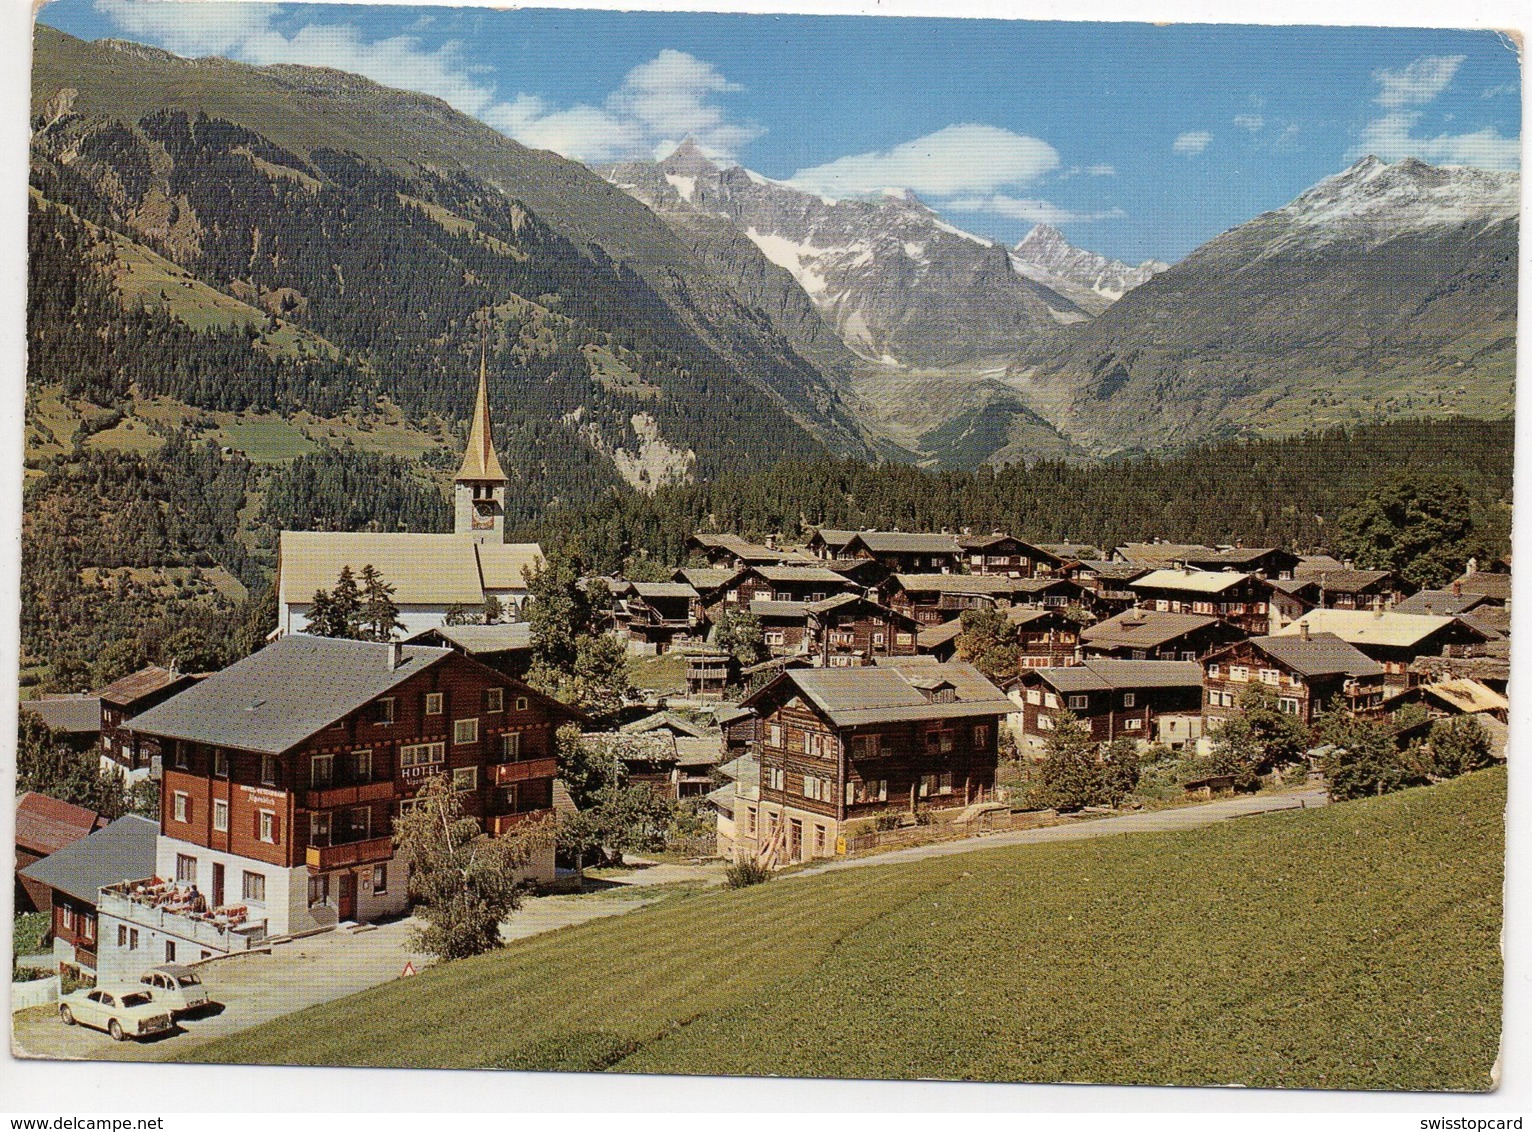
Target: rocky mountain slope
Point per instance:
(900, 286)
(357, 200)
(1385, 291)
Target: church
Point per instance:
(431, 573)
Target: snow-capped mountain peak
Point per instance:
(1045, 255)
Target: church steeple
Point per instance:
(479, 490)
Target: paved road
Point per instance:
(1146, 821)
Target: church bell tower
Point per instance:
(479, 490)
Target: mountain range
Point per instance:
(656, 321)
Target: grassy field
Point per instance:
(1350, 947)
(665, 673)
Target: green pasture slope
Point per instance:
(1350, 947)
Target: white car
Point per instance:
(175, 987)
(122, 1011)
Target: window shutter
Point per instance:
(276, 829)
(256, 825)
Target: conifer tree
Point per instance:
(379, 616)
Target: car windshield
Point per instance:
(136, 999)
(190, 981)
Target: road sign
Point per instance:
(409, 969)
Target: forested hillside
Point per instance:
(1262, 492)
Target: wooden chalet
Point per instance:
(1358, 589)
(732, 551)
(789, 583)
(709, 674)
(1242, 600)
(655, 617)
(939, 641)
(1496, 587)
(1447, 603)
(1394, 640)
(1048, 638)
(1108, 582)
(124, 699)
(1493, 672)
(1144, 700)
(839, 744)
(784, 625)
(827, 543)
(1291, 598)
(1451, 697)
(505, 647)
(283, 772)
(69, 881)
(45, 825)
(1306, 674)
(850, 630)
(932, 599)
(1158, 555)
(714, 584)
(1147, 634)
(1072, 551)
(74, 719)
(1269, 562)
(1006, 555)
(907, 553)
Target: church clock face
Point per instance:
(483, 514)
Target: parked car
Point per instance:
(176, 987)
(124, 1012)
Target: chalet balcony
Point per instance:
(504, 774)
(503, 823)
(342, 794)
(324, 858)
(138, 903)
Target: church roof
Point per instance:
(479, 460)
(424, 569)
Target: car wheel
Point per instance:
(115, 1029)
(66, 1016)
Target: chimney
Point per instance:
(1303, 630)
(771, 542)
(395, 655)
(1377, 611)
(1457, 589)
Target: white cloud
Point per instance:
(1503, 88)
(1390, 137)
(1102, 171)
(1418, 83)
(1252, 122)
(1033, 211)
(657, 104)
(966, 158)
(1192, 142)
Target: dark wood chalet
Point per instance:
(713, 584)
(850, 630)
(839, 744)
(1394, 640)
(827, 543)
(1048, 638)
(1243, 600)
(505, 647)
(1145, 700)
(1006, 555)
(1147, 634)
(709, 674)
(933, 599)
(126, 698)
(1108, 582)
(657, 616)
(1358, 589)
(784, 625)
(1492, 584)
(1305, 674)
(70, 880)
(1271, 563)
(906, 553)
(283, 772)
(733, 551)
(789, 583)
(45, 825)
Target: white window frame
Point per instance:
(267, 824)
(181, 806)
(1129, 699)
(249, 883)
(462, 736)
(510, 746)
(321, 829)
(385, 707)
(522, 703)
(494, 700)
(220, 816)
(328, 777)
(465, 779)
(268, 770)
(411, 754)
(220, 763)
(434, 702)
(380, 879)
(1079, 703)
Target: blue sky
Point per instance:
(1138, 141)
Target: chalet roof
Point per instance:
(479, 460)
(1144, 628)
(276, 698)
(473, 639)
(745, 770)
(1322, 654)
(1467, 696)
(884, 692)
(662, 590)
(799, 574)
(1440, 601)
(832, 537)
(44, 825)
(1364, 627)
(706, 577)
(1121, 675)
(1494, 586)
(899, 542)
(501, 564)
(780, 610)
(423, 569)
(145, 682)
(934, 636)
(1317, 564)
(664, 720)
(957, 583)
(1295, 586)
(1023, 615)
(67, 715)
(725, 714)
(1114, 571)
(1071, 551)
(1190, 581)
(1491, 620)
(657, 746)
(1234, 556)
(775, 663)
(1352, 581)
(744, 549)
(1481, 668)
(698, 750)
(122, 851)
(1163, 553)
